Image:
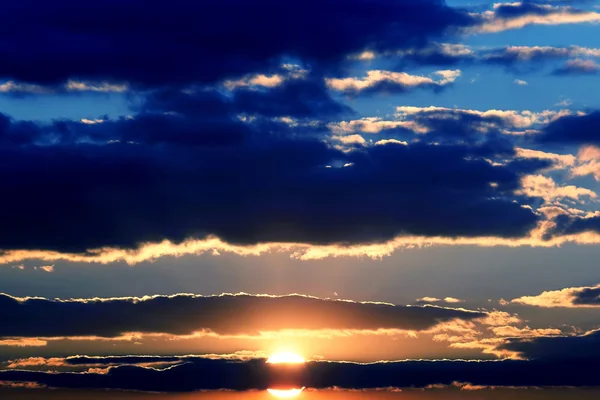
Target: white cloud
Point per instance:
(372, 125)
(588, 160)
(491, 22)
(560, 161)
(544, 187)
(374, 77)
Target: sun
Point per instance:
(286, 358)
(285, 394)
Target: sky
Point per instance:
(403, 194)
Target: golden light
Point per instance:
(286, 358)
(285, 394)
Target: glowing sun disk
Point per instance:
(286, 357)
(285, 394)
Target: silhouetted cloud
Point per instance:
(573, 129)
(222, 315)
(256, 374)
(188, 166)
(570, 224)
(156, 43)
(583, 347)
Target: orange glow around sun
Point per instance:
(285, 394)
(286, 358)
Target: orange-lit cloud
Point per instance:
(575, 297)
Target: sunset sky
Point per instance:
(405, 194)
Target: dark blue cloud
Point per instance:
(560, 347)
(573, 129)
(302, 98)
(435, 54)
(158, 42)
(187, 167)
(227, 314)
(573, 225)
(391, 87)
(518, 9)
(256, 374)
(587, 297)
(82, 197)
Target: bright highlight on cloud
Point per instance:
(577, 297)
(285, 358)
(285, 394)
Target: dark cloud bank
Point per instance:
(226, 314)
(153, 43)
(187, 167)
(552, 361)
(256, 374)
(573, 130)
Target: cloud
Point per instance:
(578, 67)
(68, 87)
(450, 300)
(436, 54)
(212, 41)
(23, 342)
(378, 81)
(82, 363)
(508, 120)
(516, 59)
(573, 129)
(374, 125)
(513, 331)
(197, 171)
(452, 124)
(545, 188)
(524, 58)
(575, 224)
(583, 347)
(559, 161)
(303, 97)
(575, 297)
(508, 16)
(205, 374)
(201, 177)
(222, 315)
(588, 162)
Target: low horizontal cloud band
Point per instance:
(224, 315)
(204, 374)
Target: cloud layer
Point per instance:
(205, 374)
(576, 297)
(147, 44)
(221, 315)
